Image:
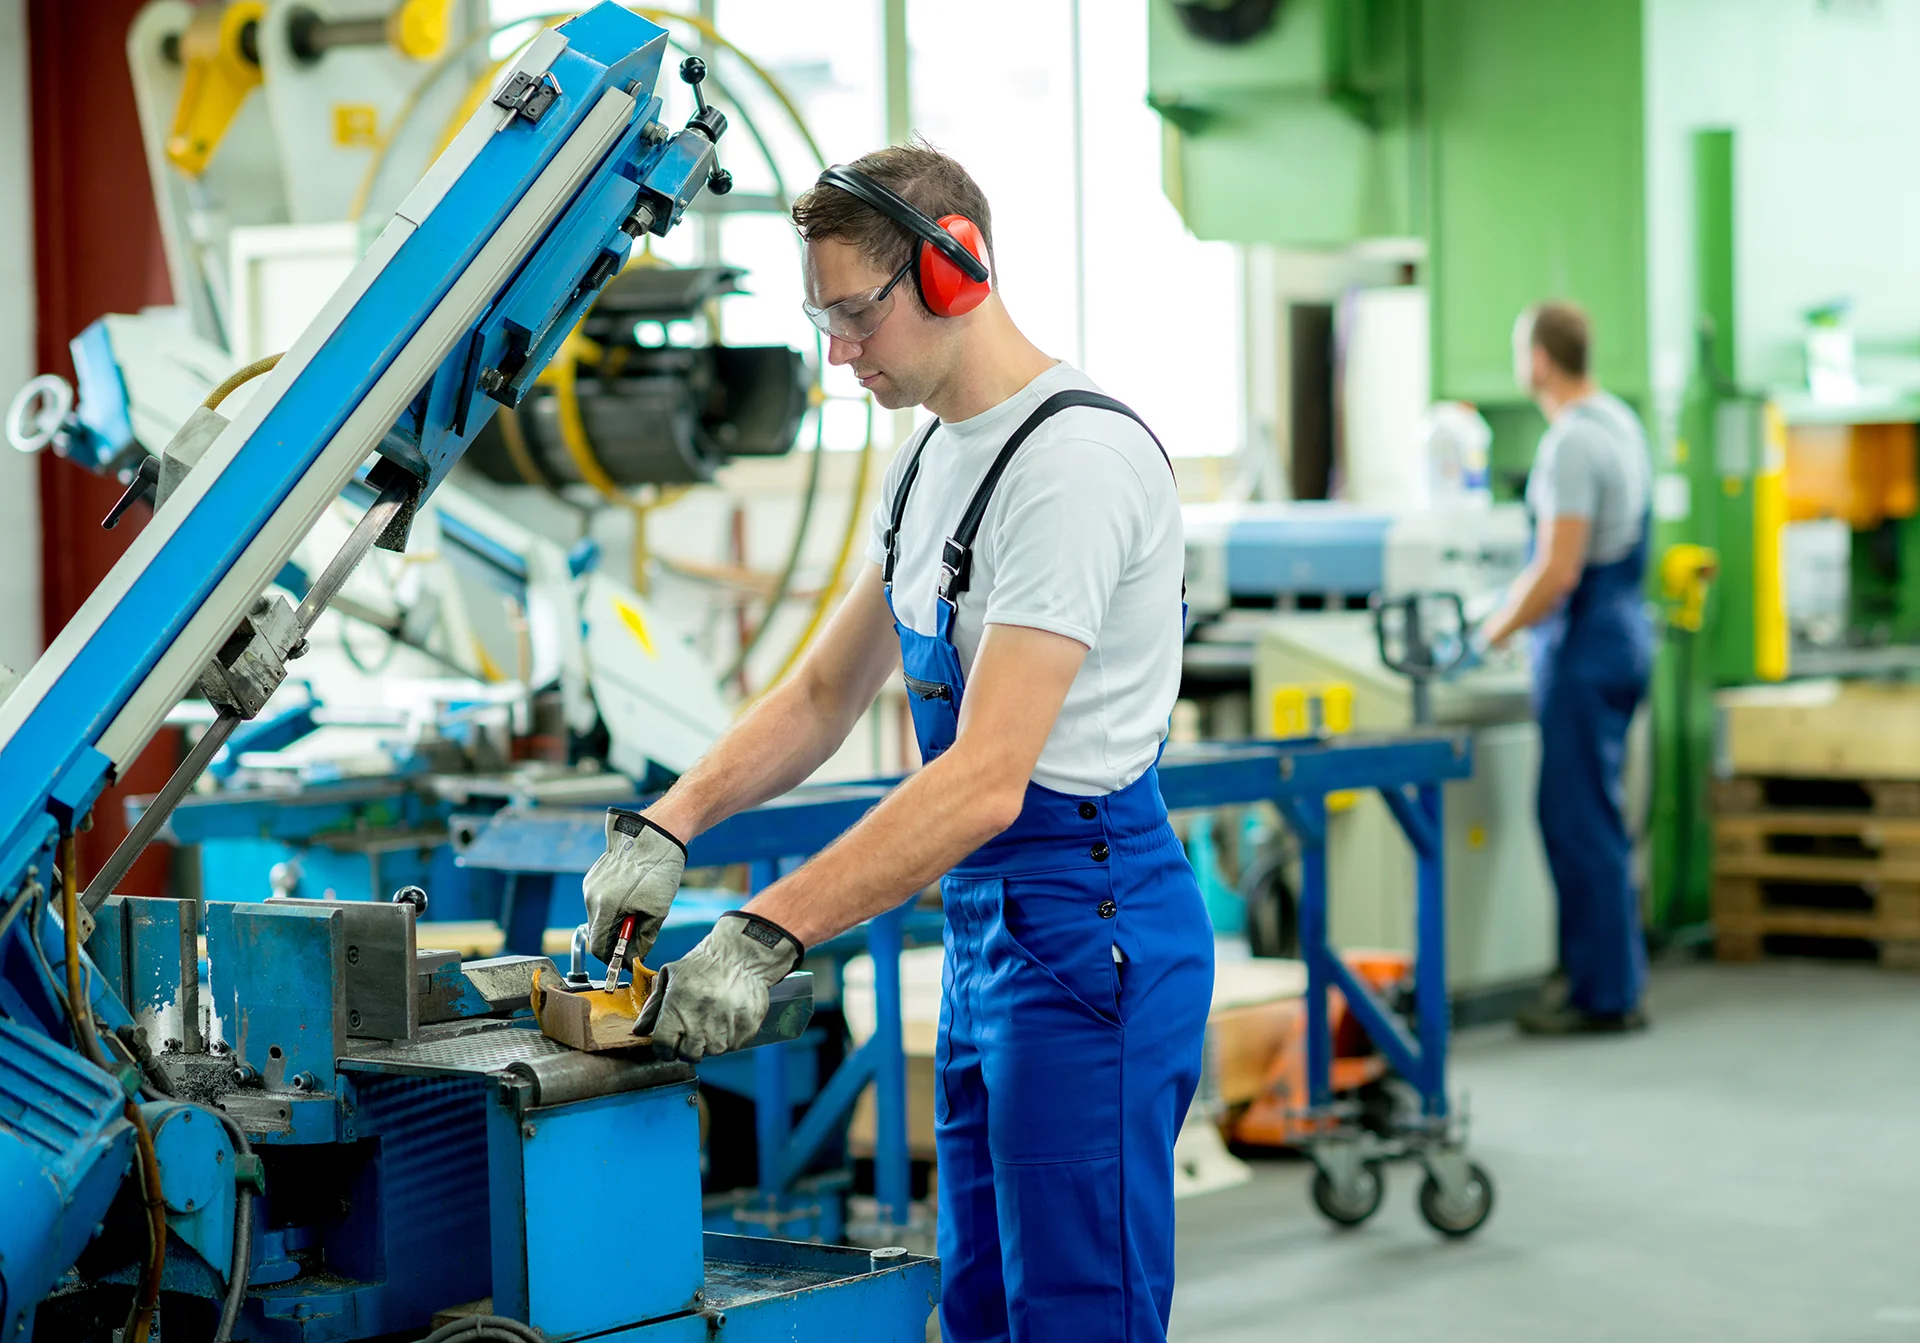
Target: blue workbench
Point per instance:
(544, 853)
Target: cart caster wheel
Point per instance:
(1464, 1214)
(1354, 1203)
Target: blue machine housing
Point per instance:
(64, 1149)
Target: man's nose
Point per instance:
(842, 351)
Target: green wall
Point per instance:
(1534, 144)
(1506, 133)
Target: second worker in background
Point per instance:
(1592, 655)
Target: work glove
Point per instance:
(714, 998)
(1467, 647)
(638, 875)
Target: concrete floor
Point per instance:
(1749, 1169)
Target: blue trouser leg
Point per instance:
(1583, 741)
(973, 1296)
(1059, 1103)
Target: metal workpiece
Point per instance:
(789, 1010)
(505, 983)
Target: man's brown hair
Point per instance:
(1563, 331)
(926, 179)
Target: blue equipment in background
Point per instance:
(341, 1136)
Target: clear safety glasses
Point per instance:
(858, 317)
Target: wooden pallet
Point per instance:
(1813, 865)
(1771, 793)
(1759, 915)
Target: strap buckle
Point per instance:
(956, 561)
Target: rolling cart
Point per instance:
(1408, 771)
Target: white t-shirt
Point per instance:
(1081, 538)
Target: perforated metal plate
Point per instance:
(458, 1048)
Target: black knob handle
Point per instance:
(719, 181)
(693, 70)
(144, 486)
(412, 895)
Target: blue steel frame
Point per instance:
(1408, 773)
(1295, 775)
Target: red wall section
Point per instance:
(97, 250)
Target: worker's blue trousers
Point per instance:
(1079, 971)
(1064, 1071)
(1591, 662)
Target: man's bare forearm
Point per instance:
(1535, 595)
(921, 829)
(774, 747)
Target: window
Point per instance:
(1149, 311)
(1112, 281)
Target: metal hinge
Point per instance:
(528, 95)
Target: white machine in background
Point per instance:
(1500, 921)
(275, 113)
(273, 129)
(1281, 596)
(478, 595)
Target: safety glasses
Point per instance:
(858, 317)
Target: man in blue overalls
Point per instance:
(1592, 652)
(1025, 573)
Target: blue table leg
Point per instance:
(1430, 969)
(772, 1111)
(523, 912)
(1309, 815)
(892, 1161)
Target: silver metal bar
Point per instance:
(324, 589)
(159, 809)
(341, 567)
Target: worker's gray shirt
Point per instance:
(1593, 463)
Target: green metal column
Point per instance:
(1689, 664)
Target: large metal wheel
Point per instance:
(1352, 1201)
(1466, 1210)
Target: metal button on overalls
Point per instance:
(1056, 1201)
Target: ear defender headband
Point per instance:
(951, 270)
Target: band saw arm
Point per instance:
(457, 306)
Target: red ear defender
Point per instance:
(945, 287)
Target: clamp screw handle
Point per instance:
(411, 895)
(693, 71)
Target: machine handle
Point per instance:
(1417, 658)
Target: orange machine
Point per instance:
(1274, 1117)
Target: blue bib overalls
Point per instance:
(1079, 970)
(1591, 662)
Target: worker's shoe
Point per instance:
(1566, 1019)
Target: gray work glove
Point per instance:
(638, 875)
(714, 998)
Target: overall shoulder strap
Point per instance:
(891, 540)
(956, 559)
